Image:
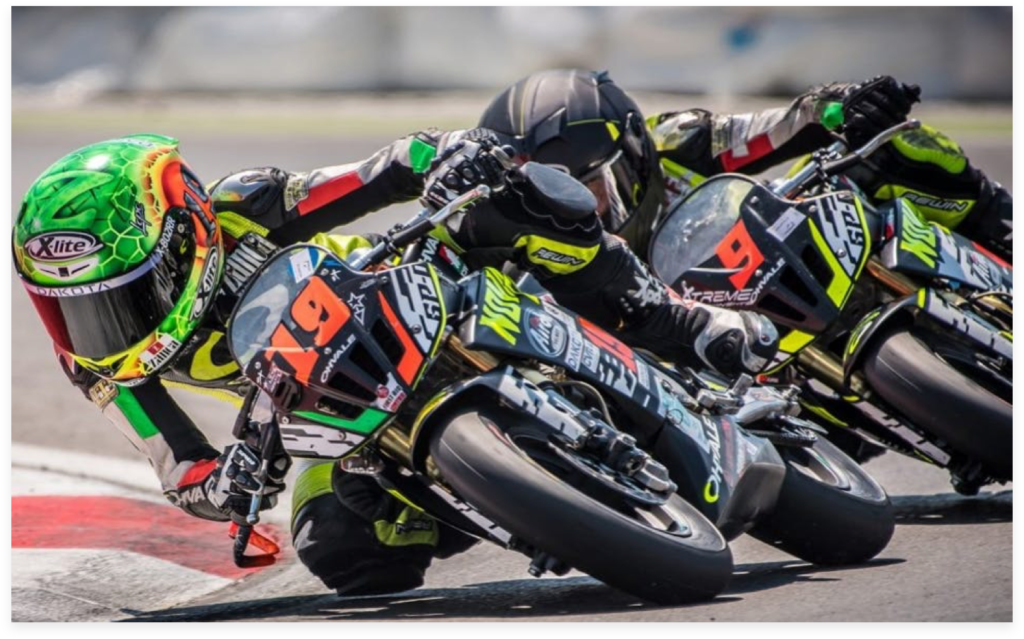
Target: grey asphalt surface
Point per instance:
(950, 559)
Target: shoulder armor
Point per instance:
(252, 200)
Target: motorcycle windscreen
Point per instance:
(349, 340)
(269, 301)
(692, 231)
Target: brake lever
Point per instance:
(244, 532)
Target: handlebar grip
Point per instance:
(413, 232)
(842, 164)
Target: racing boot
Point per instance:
(352, 553)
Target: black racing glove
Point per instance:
(224, 486)
(462, 166)
(875, 105)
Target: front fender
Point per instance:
(503, 386)
(899, 312)
(925, 306)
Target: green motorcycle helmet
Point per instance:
(120, 251)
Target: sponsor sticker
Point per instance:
(335, 356)
(301, 264)
(206, 284)
(390, 396)
(574, 354)
(356, 302)
(547, 334)
(62, 246)
(591, 356)
(159, 352)
(418, 303)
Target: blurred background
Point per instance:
(300, 88)
(957, 52)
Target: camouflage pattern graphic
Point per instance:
(72, 199)
(99, 213)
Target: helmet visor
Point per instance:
(101, 319)
(620, 183)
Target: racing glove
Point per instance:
(216, 488)
(730, 342)
(875, 105)
(462, 166)
(733, 342)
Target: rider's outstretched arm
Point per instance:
(705, 143)
(292, 207)
(152, 421)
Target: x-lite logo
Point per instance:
(61, 246)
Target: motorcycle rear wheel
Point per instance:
(487, 456)
(830, 511)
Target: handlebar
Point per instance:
(418, 226)
(816, 167)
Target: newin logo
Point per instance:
(61, 246)
(558, 258)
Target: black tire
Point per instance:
(830, 511)
(943, 401)
(491, 472)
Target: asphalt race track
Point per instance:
(950, 558)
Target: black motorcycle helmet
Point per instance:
(583, 123)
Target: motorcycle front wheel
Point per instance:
(830, 511)
(502, 465)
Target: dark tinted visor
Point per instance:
(104, 318)
(620, 183)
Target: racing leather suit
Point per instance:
(923, 165)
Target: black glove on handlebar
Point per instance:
(876, 105)
(463, 166)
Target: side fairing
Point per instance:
(710, 455)
(929, 249)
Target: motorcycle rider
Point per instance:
(134, 268)
(639, 167)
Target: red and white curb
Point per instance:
(93, 539)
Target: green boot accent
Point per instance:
(310, 484)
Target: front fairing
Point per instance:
(333, 347)
(732, 242)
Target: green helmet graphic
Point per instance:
(119, 250)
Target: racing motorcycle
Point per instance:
(517, 422)
(899, 330)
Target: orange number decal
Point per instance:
(318, 310)
(738, 250)
(283, 343)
